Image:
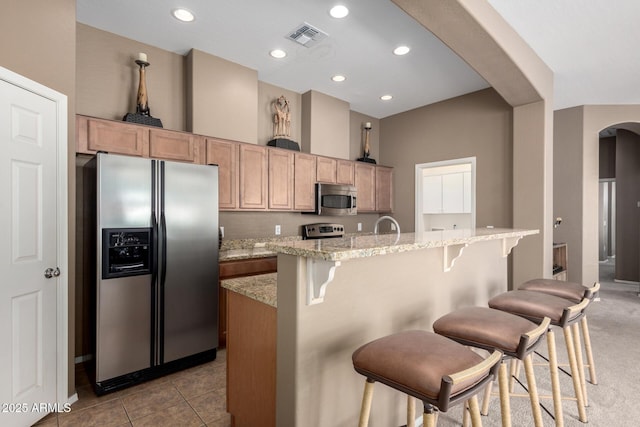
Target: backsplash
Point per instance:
(260, 226)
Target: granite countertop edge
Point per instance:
(262, 287)
(363, 246)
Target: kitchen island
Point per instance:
(333, 295)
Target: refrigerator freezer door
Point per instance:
(124, 192)
(191, 281)
(123, 339)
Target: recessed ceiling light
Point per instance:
(339, 11)
(386, 97)
(401, 50)
(278, 53)
(183, 15)
(338, 78)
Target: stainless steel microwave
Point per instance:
(335, 199)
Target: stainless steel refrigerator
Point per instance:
(156, 268)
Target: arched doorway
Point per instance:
(619, 203)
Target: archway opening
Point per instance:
(619, 203)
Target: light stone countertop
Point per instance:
(352, 247)
(262, 287)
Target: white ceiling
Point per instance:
(589, 44)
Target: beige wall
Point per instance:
(107, 78)
(478, 124)
(223, 98)
(576, 151)
(480, 36)
(39, 42)
(326, 125)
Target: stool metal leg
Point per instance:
(366, 403)
(505, 407)
(411, 411)
(575, 375)
(533, 391)
(587, 348)
(555, 380)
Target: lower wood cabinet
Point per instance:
(251, 362)
(239, 268)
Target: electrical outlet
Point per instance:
(221, 231)
(277, 230)
(359, 226)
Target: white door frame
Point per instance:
(418, 227)
(62, 321)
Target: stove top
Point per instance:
(322, 230)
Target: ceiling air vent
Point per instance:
(306, 34)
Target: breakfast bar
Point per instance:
(333, 295)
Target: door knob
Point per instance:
(50, 272)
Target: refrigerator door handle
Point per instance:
(163, 262)
(154, 268)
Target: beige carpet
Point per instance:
(614, 323)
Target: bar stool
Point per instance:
(516, 337)
(574, 292)
(535, 306)
(438, 371)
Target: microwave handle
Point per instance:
(353, 202)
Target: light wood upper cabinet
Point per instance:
(344, 172)
(365, 181)
(384, 189)
(304, 182)
(112, 137)
(326, 169)
(180, 146)
(225, 155)
(115, 137)
(253, 167)
(280, 179)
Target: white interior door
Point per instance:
(28, 247)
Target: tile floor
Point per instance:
(193, 397)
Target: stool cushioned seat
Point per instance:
(485, 328)
(532, 305)
(415, 362)
(568, 290)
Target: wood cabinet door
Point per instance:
(365, 180)
(253, 177)
(304, 197)
(344, 172)
(281, 164)
(171, 145)
(326, 169)
(384, 189)
(225, 155)
(117, 137)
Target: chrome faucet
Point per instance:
(387, 217)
